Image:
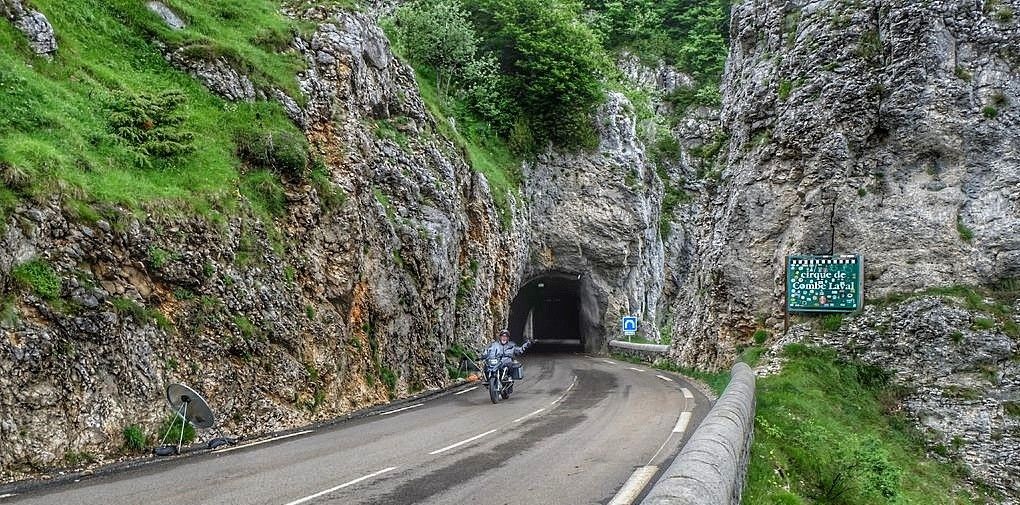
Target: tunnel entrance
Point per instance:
(559, 311)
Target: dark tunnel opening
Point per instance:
(559, 311)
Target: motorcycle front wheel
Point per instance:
(494, 388)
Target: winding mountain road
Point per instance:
(577, 430)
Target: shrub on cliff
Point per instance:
(284, 153)
(151, 124)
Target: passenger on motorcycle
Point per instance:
(505, 349)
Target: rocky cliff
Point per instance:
(886, 128)
(350, 298)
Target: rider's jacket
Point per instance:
(501, 350)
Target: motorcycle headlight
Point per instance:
(493, 361)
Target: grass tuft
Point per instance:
(40, 277)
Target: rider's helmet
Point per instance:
(504, 333)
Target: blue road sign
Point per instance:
(629, 324)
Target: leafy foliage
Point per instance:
(691, 34)
(437, 34)
(553, 64)
(151, 124)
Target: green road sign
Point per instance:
(824, 283)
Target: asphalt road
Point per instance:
(574, 431)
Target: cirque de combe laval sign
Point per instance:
(824, 283)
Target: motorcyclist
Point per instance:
(505, 349)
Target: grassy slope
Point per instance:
(826, 432)
(54, 115)
(55, 127)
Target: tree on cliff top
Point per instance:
(440, 35)
(553, 62)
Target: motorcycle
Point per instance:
(500, 378)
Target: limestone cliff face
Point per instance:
(350, 298)
(887, 129)
(596, 215)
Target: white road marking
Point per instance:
(462, 442)
(394, 411)
(634, 485)
(681, 424)
(519, 419)
(687, 393)
(667, 379)
(8, 495)
(341, 486)
(260, 442)
(465, 391)
(635, 369)
(611, 362)
(564, 395)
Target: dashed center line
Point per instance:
(462, 442)
(466, 390)
(687, 394)
(564, 395)
(394, 411)
(8, 495)
(681, 424)
(611, 362)
(667, 379)
(260, 442)
(635, 369)
(341, 486)
(519, 419)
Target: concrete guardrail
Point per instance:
(712, 467)
(641, 351)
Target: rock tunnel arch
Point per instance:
(559, 310)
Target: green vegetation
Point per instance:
(467, 282)
(691, 34)
(79, 458)
(673, 196)
(38, 276)
(158, 257)
(249, 332)
(109, 120)
(134, 438)
(831, 322)
(828, 431)
(983, 323)
(999, 11)
(174, 424)
(760, 336)
(389, 379)
(141, 314)
(454, 354)
(530, 69)
(751, 355)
